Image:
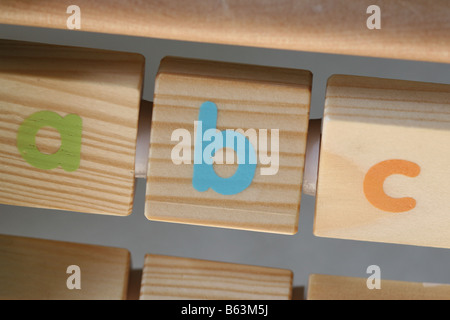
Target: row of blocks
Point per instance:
(69, 123)
(39, 269)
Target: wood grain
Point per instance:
(325, 287)
(170, 278)
(101, 87)
(368, 121)
(246, 97)
(412, 30)
(34, 269)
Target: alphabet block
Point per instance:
(384, 173)
(324, 287)
(202, 108)
(175, 278)
(68, 127)
(34, 269)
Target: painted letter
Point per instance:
(374, 181)
(69, 154)
(204, 176)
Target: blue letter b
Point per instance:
(204, 175)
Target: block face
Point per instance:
(84, 105)
(37, 269)
(172, 278)
(325, 287)
(383, 173)
(246, 97)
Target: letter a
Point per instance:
(374, 281)
(74, 21)
(74, 281)
(69, 128)
(374, 21)
(204, 176)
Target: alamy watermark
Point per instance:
(74, 20)
(374, 280)
(212, 146)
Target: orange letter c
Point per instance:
(374, 181)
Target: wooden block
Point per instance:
(169, 278)
(413, 29)
(244, 97)
(324, 287)
(37, 269)
(384, 173)
(68, 126)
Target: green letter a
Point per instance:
(69, 128)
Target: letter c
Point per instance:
(374, 181)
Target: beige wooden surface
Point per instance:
(414, 29)
(101, 87)
(368, 121)
(246, 97)
(36, 269)
(169, 278)
(325, 287)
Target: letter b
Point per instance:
(204, 176)
(69, 128)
